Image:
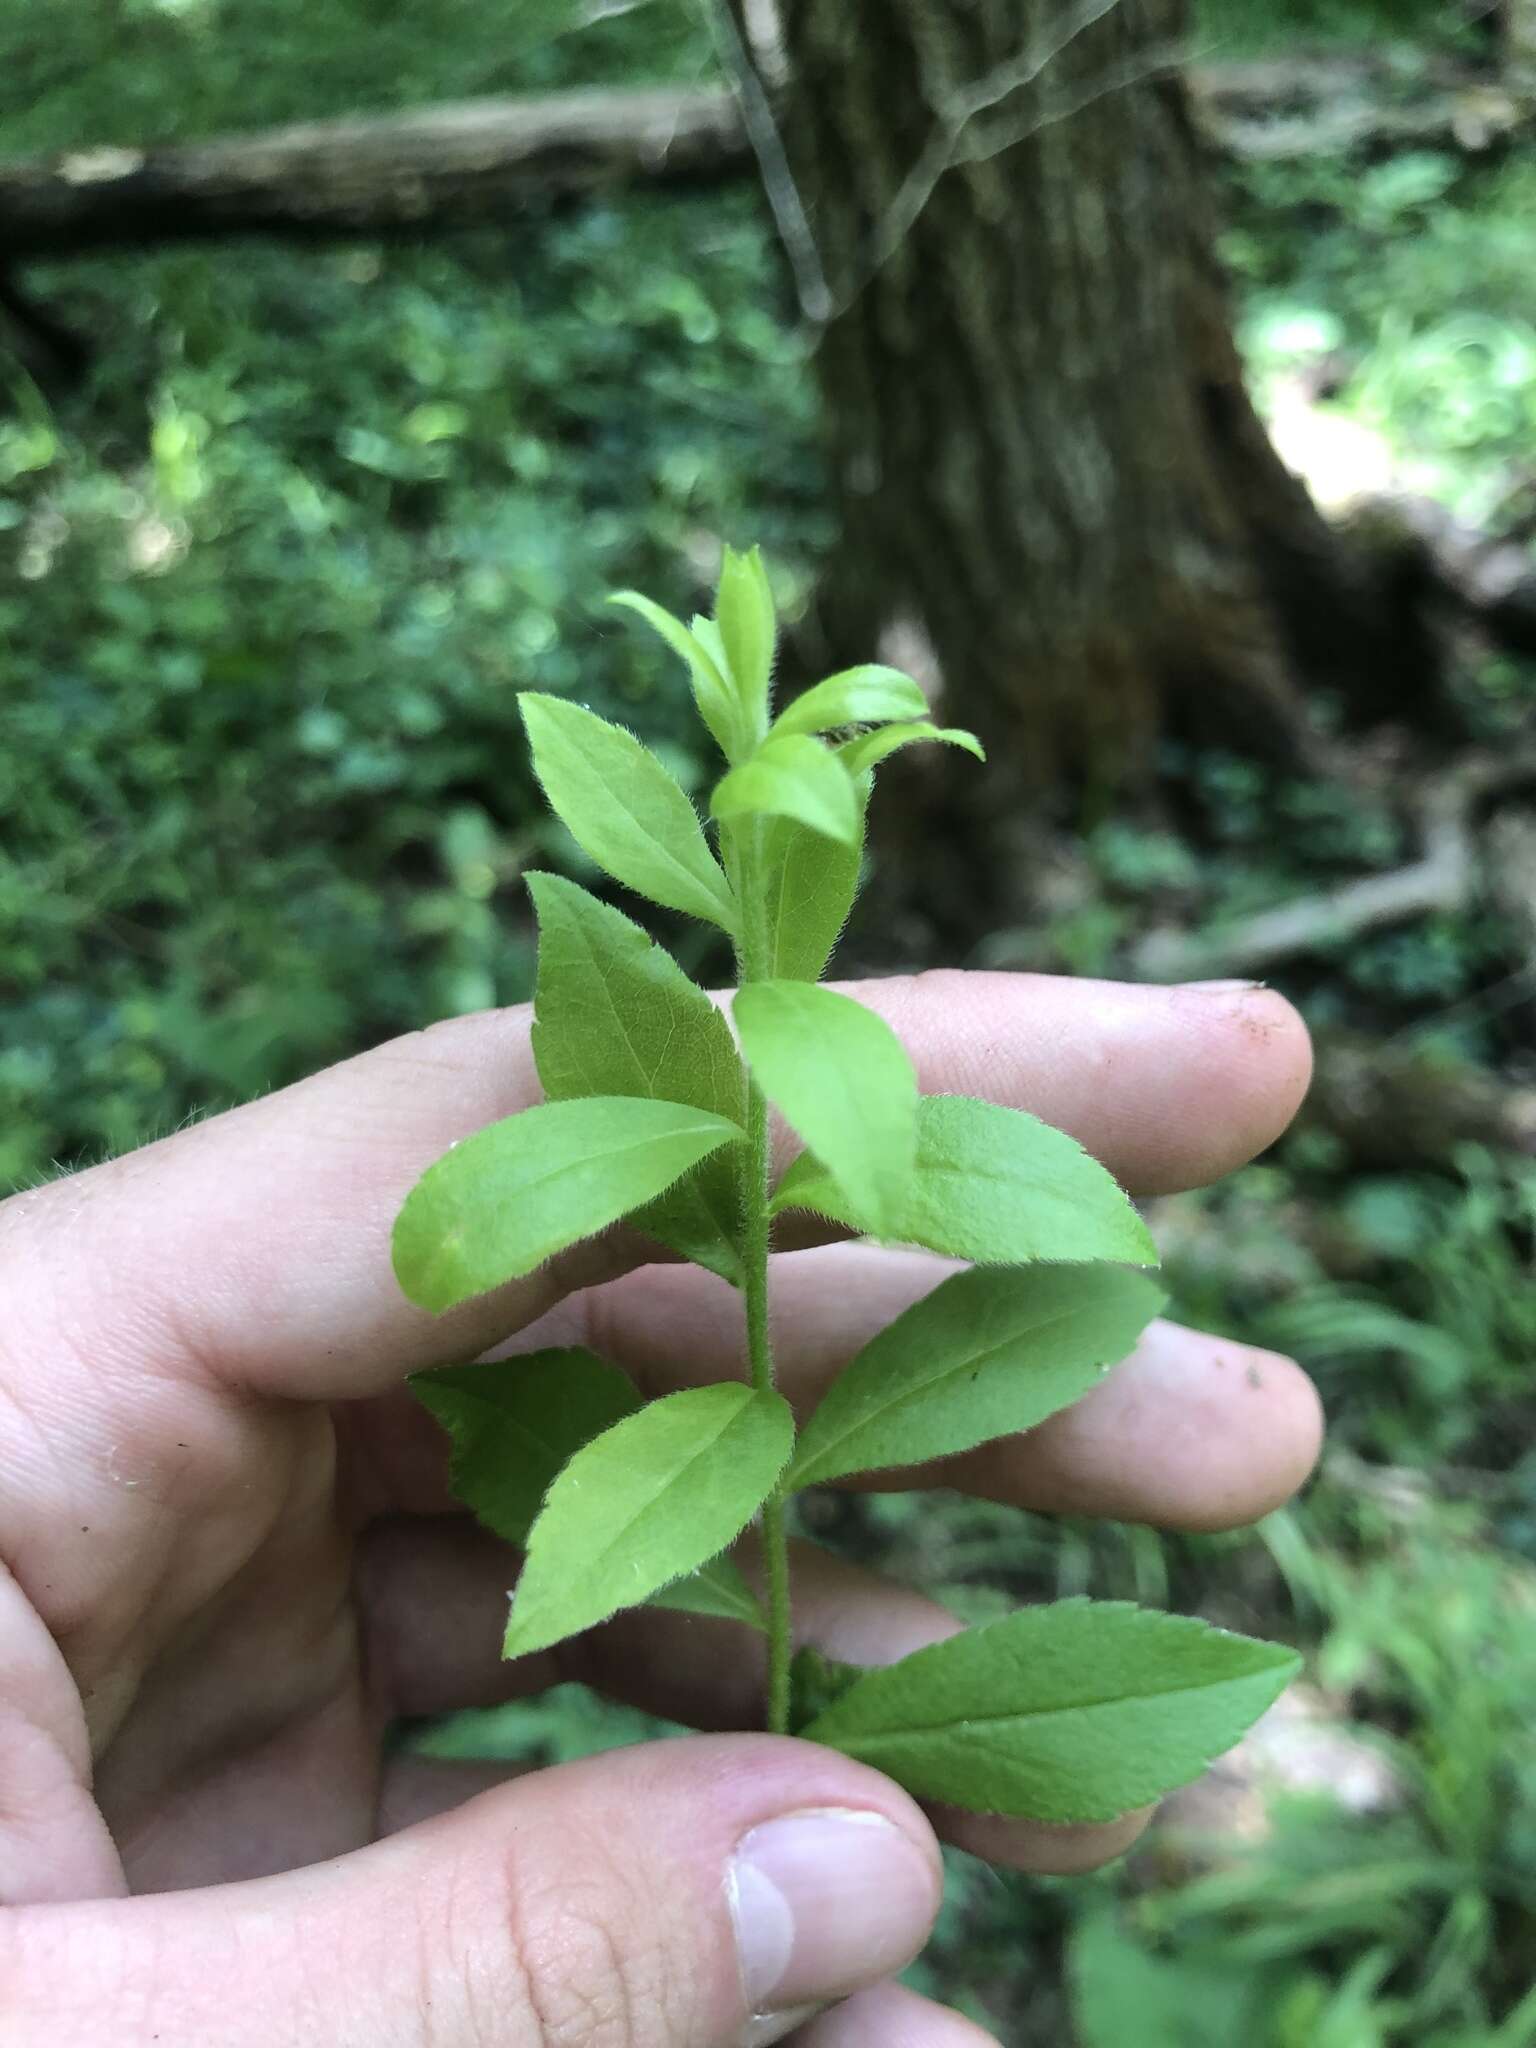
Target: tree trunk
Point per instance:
(1047, 467)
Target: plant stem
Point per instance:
(757, 1230)
(760, 1355)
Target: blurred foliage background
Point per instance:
(269, 579)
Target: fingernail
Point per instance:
(825, 1902)
(1222, 988)
(769, 2027)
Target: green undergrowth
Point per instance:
(271, 585)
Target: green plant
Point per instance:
(1073, 1711)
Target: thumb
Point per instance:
(702, 1893)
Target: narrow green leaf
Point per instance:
(841, 1078)
(816, 1683)
(858, 696)
(716, 1589)
(707, 633)
(502, 1202)
(658, 1495)
(795, 777)
(614, 1014)
(515, 1423)
(990, 1352)
(994, 1186)
(624, 809)
(711, 692)
(1079, 1711)
(748, 630)
(870, 748)
(811, 883)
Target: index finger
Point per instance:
(254, 1249)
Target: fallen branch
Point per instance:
(433, 167)
(1305, 106)
(444, 166)
(1445, 878)
(1397, 1106)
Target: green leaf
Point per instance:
(624, 809)
(990, 1352)
(858, 696)
(707, 633)
(841, 1078)
(795, 778)
(515, 1423)
(1125, 1993)
(658, 1495)
(711, 692)
(816, 1683)
(810, 884)
(1079, 1711)
(994, 1186)
(716, 1589)
(502, 1202)
(748, 630)
(861, 754)
(614, 1014)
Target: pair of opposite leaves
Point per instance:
(646, 1097)
(641, 1501)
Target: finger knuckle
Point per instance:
(583, 1963)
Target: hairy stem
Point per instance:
(756, 1181)
(760, 1356)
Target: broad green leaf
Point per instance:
(841, 1078)
(505, 1200)
(810, 883)
(614, 1014)
(623, 808)
(658, 1495)
(514, 1423)
(711, 692)
(796, 777)
(745, 617)
(1079, 1711)
(990, 1352)
(858, 696)
(994, 1186)
(870, 748)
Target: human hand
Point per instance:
(230, 1560)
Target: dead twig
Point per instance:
(1445, 878)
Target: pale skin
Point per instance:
(230, 1561)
